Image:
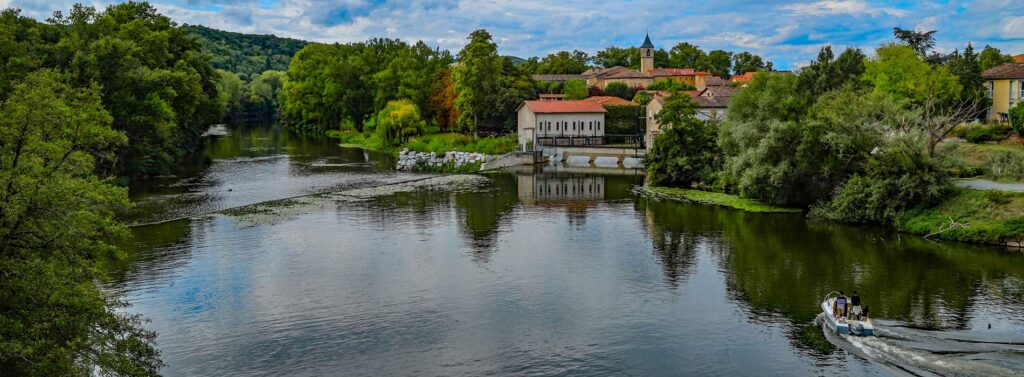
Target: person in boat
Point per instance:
(865, 314)
(839, 309)
(855, 310)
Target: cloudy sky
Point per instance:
(787, 32)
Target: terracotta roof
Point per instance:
(547, 107)
(559, 78)
(1005, 71)
(1018, 58)
(630, 74)
(679, 72)
(746, 77)
(610, 101)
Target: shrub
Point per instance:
(643, 98)
(619, 89)
(576, 89)
(1017, 118)
(983, 133)
(670, 85)
(1005, 165)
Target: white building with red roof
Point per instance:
(559, 119)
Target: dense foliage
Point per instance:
(56, 227)
(620, 89)
(623, 120)
(154, 81)
(576, 89)
(686, 153)
(399, 121)
(246, 55)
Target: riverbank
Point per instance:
(713, 198)
(433, 143)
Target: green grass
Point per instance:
(435, 142)
(716, 198)
(991, 217)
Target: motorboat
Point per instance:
(843, 325)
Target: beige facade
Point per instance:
(653, 128)
(1005, 94)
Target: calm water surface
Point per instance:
(555, 271)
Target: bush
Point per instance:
(576, 89)
(619, 89)
(983, 133)
(643, 98)
(670, 85)
(1005, 165)
(1017, 118)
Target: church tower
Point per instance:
(647, 56)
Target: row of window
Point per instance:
(1015, 87)
(564, 126)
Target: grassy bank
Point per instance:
(435, 142)
(992, 217)
(715, 198)
(1002, 162)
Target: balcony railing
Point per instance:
(606, 141)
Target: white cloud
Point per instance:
(838, 7)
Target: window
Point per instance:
(991, 88)
(1020, 89)
(591, 126)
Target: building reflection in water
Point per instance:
(559, 187)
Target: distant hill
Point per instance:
(516, 60)
(246, 54)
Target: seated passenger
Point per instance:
(855, 310)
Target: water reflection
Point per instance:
(545, 270)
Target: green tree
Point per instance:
(477, 78)
(920, 41)
(563, 62)
(686, 55)
(1017, 118)
(746, 62)
(618, 57)
(399, 121)
(57, 224)
(991, 57)
(686, 154)
(619, 89)
(576, 89)
(643, 98)
(718, 62)
(670, 85)
(264, 91)
(967, 68)
(828, 73)
(231, 92)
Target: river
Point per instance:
(557, 270)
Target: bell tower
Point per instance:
(647, 56)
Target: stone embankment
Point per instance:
(410, 160)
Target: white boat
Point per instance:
(842, 325)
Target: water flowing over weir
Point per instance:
(549, 270)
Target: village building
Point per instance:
(551, 97)
(550, 119)
(610, 101)
(712, 103)
(1005, 85)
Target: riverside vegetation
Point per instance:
(853, 139)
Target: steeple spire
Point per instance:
(647, 42)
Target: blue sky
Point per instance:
(787, 32)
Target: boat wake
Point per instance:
(906, 350)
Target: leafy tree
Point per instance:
(57, 225)
(516, 87)
(263, 93)
(686, 55)
(718, 62)
(643, 98)
(477, 79)
(828, 73)
(686, 154)
(231, 92)
(991, 57)
(619, 89)
(967, 68)
(746, 62)
(920, 41)
(399, 121)
(563, 62)
(441, 106)
(575, 89)
(617, 57)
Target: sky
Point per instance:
(789, 33)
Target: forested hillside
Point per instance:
(246, 55)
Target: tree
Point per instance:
(441, 106)
(619, 89)
(920, 41)
(901, 73)
(686, 154)
(967, 68)
(686, 55)
(563, 62)
(827, 73)
(399, 121)
(264, 91)
(746, 62)
(618, 57)
(57, 226)
(1017, 118)
(477, 79)
(643, 98)
(991, 57)
(670, 85)
(718, 62)
(576, 89)
(231, 92)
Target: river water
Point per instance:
(557, 270)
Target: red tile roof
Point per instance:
(610, 101)
(545, 107)
(1005, 71)
(1018, 58)
(746, 77)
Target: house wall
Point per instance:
(653, 129)
(1002, 98)
(570, 124)
(526, 121)
(688, 80)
